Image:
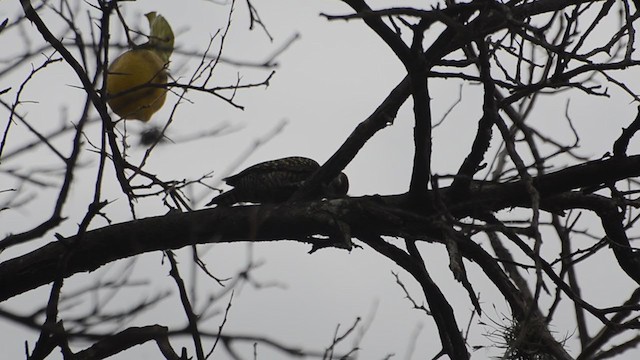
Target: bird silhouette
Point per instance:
(275, 181)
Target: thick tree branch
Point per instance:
(412, 262)
(127, 339)
(471, 163)
(392, 39)
(384, 115)
(383, 215)
(620, 145)
(612, 223)
(422, 141)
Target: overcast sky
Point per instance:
(328, 81)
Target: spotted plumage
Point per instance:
(275, 181)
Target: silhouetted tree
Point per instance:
(516, 51)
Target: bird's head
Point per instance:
(338, 187)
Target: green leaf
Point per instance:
(161, 36)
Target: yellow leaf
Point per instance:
(161, 36)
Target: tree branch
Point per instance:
(300, 221)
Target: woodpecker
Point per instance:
(275, 181)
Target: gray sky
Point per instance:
(330, 79)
